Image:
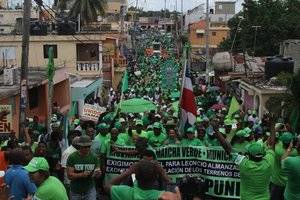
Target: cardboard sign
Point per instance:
(6, 122)
(92, 112)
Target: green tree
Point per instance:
(291, 101)
(89, 10)
(278, 21)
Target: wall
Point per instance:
(193, 16)
(62, 100)
(66, 49)
(225, 7)
(291, 48)
(216, 35)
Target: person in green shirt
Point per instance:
(100, 139)
(156, 137)
(139, 132)
(114, 140)
(278, 178)
(255, 168)
(146, 174)
(82, 168)
(48, 187)
(239, 141)
(190, 139)
(172, 138)
(290, 167)
(201, 133)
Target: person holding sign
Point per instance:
(255, 168)
(190, 139)
(156, 137)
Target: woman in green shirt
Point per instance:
(190, 139)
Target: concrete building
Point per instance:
(37, 94)
(196, 33)
(10, 18)
(255, 94)
(193, 16)
(224, 10)
(87, 55)
(291, 48)
(114, 6)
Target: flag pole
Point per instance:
(184, 63)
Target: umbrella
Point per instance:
(136, 105)
(218, 106)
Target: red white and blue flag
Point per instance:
(187, 103)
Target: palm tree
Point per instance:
(88, 9)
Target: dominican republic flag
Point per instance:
(187, 104)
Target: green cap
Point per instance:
(222, 130)
(190, 130)
(227, 122)
(248, 131)
(287, 137)
(156, 125)
(139, 122)
(118, 125)
(76, 121)
(37, 163)
(242, 133)
(102, 126)
(255, 149)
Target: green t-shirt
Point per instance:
(122, 192)
(80, 164)
(126, 138)
(171, 141)
(278, 178)
(255, 176)
(106, 147)
(193, 142)
(212, 142)
(143, 134)
(156, 140)
(98, 142)
(51, 189)
(291, 167)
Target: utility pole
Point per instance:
(237, 29)
(254, 45)
(181, 17)
(207, 40)
(165, 16)
(24, 68)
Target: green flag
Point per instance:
(50, 66)
(234, 107)
(125, 82)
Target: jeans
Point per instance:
(277, 192)
(89, 195)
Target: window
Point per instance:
(220, 7)
(200, 35)
(46, 49)
(213, 33)
(33, 97)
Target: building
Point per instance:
(291, 48)
(147, 23)
(114, 6)
(196, 34)
(38, 93)
(255, 94)
(224, 10)
(82, 54)
(193, 16)
(10, 18)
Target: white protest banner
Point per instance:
(6, 122)
(92, 112)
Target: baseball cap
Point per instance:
(139, 122)
(156, 125)
(247, 131)
(121, 120)
(102, 126)
(190, 130)
(84, 141)
(242, 133)
(287, 137)
(37, 163)
(255, 149)
(227, 122)
(76, 121)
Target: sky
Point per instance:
(171, 4)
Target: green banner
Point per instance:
(213, 164)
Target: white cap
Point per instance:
(157, 115)
(122, 120)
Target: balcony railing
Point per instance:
(88, 66)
